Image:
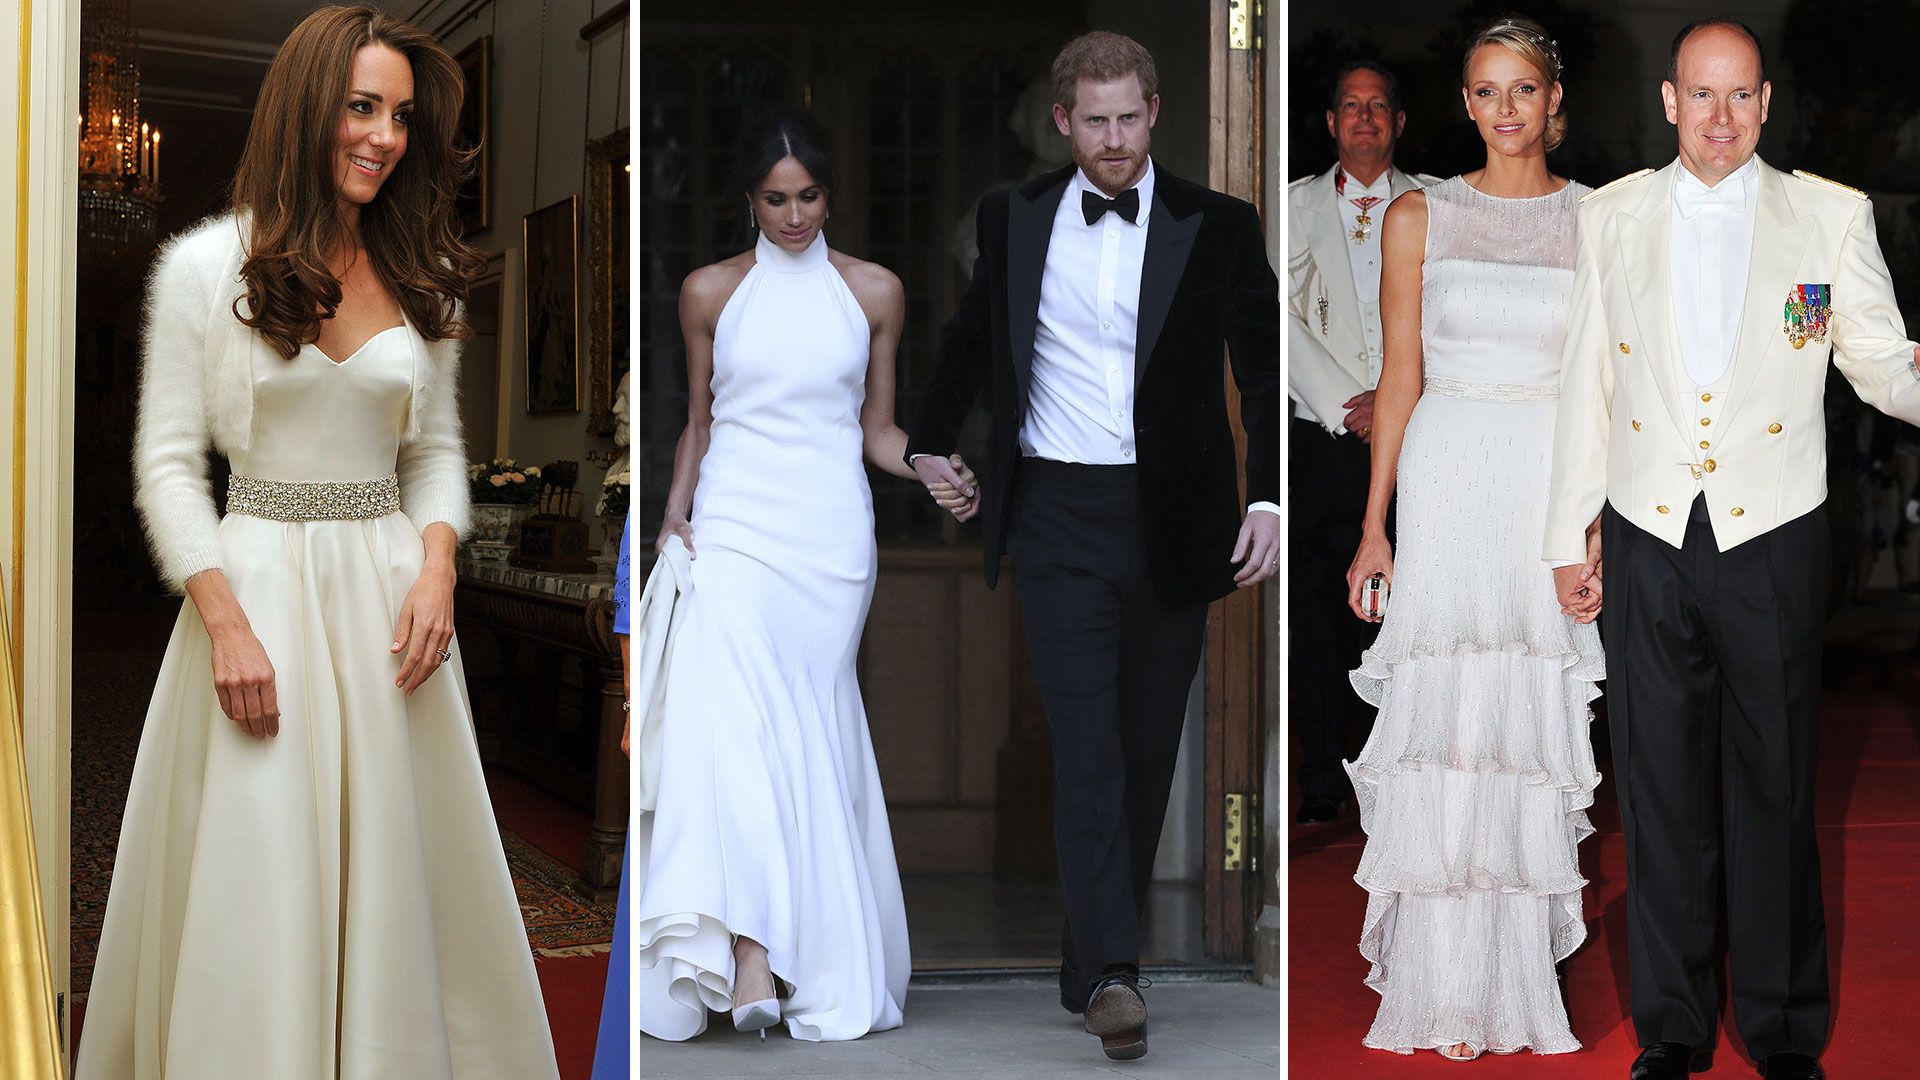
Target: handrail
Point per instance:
(30, 1043)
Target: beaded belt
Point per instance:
(281, 500)
(1489, 391)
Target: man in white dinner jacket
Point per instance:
(1708, 297)
(1333, 358)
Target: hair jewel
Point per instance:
(1547, 44)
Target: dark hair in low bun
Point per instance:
(782, 132)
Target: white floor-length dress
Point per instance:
(770, 822)
(1474, 784)
(331, 903)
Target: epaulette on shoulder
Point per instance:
(1853, 191)
(1302, 180)
(1627, 179)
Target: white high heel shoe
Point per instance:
(762, 1014)
(757, 1016)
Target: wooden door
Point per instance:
(1236, 630)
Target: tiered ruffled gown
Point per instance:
(1474, 785)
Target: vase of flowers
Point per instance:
(503, 493)
(612, 510)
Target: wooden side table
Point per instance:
(571, 614)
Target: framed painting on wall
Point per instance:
(608, 179)
(475, 201)
(550, 250)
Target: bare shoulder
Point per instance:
(877, 288)
(1407, 211)
(708, 288)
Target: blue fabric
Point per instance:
(616, 1014)
(610, 1060)
(623, 581)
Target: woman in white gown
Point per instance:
(1474, 784)
(309, 883)
(769, 886)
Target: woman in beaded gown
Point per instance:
(309, 882)
(1474, 784)
(768, 885)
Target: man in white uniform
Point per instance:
(1333, 358)
(1708, 298)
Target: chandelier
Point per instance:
(119, 155)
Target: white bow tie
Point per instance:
(1728, 195)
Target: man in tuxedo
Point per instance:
(1101, 299)
(1707, 300)
(1333, 362)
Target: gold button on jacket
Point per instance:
(1709, 465)
(1736, 511)
(1662, 509)
(1636, 425)
(1623, 348)
(1773, 429)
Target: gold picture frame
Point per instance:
(474, 129)
(609, 206)
(550, 254)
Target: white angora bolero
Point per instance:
(196, 389)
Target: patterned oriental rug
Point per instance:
(110, 695)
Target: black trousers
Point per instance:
(1713, 692)
(1327, 500)
(1114, 665)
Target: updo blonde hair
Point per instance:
(1529, 40)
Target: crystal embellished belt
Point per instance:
(1491, 391)
(281, 500)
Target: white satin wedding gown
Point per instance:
(770, 822)
(331, 903)
(1474, 785)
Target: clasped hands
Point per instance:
(951, 484)
(1577, 586)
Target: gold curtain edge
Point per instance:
(30, 1044)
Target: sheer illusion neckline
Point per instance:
(1562, 190)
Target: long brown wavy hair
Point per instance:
(286, 185)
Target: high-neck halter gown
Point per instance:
(770, 822)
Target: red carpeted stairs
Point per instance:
(1869, 818)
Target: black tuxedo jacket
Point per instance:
(1206, 283)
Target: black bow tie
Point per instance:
(1095, 205)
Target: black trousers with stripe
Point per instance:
(1713, 696)
(1113, 664)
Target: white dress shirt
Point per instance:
(1710, 243)
(1080, 401)
(1363, 255)
(1363, 259)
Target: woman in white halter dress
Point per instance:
(768, 846)
(1474, 784)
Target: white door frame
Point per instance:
(39, 160)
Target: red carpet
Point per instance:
(571, 985)
(1869, 816)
